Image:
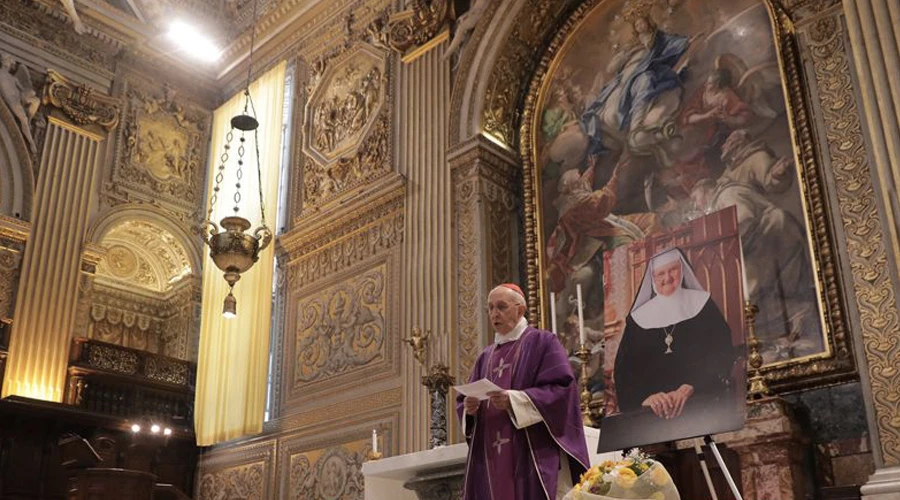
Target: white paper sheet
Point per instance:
(477, 389)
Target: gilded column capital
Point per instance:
(82, 104)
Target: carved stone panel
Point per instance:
(161, 149)
(339, 335)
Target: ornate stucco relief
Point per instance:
(335, 472)
(246, 481)
(340, 328)
(237, 472)
(338, 334)
(347, 124)
(160, 152)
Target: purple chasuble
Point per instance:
(506, 463)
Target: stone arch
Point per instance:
(502, 54)
(16, 169)
(113, 217)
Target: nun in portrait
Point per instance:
(674, 363)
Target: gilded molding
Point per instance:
(10, 268)
(14, 230)
(419, 24)
(508, 82)
(341, 238)
(82, 104)
(837, 364)
(359, 407)
(467, 65)
(874, 294)
(482, 175)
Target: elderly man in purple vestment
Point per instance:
(526, 441)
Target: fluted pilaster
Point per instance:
(875, 42)
(49, 285)
(423, 99)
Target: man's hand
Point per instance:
(500, 399)
(470, 405)
(679, 398)
(661, 404)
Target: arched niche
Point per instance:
(145, 293)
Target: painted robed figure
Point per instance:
(526, 441)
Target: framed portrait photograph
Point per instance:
(649, 114)
(675, 356)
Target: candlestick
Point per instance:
(552, 312)
(580, 315)
(374, 440)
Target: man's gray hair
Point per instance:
(518, 299)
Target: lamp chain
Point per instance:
(220, 176)
(239, 175)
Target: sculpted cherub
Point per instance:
(418, 342)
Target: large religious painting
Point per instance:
(653, 113)
(674, 363)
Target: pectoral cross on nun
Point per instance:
(499, 442)
(498, 371)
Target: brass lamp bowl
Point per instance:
(233, 250)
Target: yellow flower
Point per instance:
(659, 476)
(625, 478)
(625, 463)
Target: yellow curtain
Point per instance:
(234, 352)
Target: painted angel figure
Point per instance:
(733, 97)
(19, 95)
(464, 25)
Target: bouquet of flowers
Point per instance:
(636, 476)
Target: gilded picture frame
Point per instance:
(829, 358)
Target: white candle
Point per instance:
(580, 315)
(374, 441)
(744, 292)
(552, 312)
